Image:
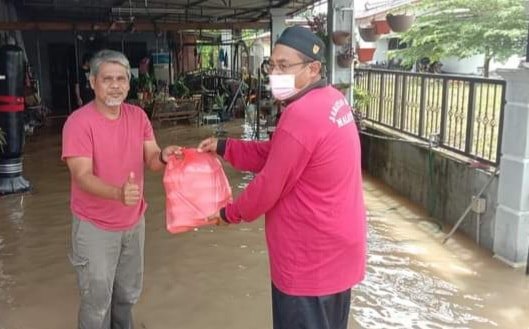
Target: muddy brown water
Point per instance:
(217, 277)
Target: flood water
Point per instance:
(217, 277)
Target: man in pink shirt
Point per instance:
(308, 184)
(106, 144)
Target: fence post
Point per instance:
(511, 224)
(500, 126)
(396, 100)
(368, 109)
(444, 111)
(381, 98)
(469, 135)
(403, 102)
(422, 107)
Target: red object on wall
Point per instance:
(381, 26)
(365, 54)
(11, 103)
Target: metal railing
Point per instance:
(461, 114)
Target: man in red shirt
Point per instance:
(106, 144)
(308, 184)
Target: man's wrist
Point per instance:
(118, 194)
(221, 147)
(160, 157)
(222, 215)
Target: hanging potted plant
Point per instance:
(401, 20)
(341, 38)
(368, 33)
(365, 54)
(381, 26)
(318, 25)
(346, 57)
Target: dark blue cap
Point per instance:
(304, 41)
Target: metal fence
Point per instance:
(462, 114)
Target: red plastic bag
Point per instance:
(195, 187)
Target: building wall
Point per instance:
(467, 66)
(441, 184)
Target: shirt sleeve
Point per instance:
(286, 161)
(148, 133)
(247, 155)
(76, 139)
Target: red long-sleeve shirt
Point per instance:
(309, 185)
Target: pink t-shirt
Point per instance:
(116, 149)
(309, 184)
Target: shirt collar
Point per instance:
(315, 85)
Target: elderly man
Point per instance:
(309, 186)
(106, 144)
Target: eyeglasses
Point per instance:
(283, 67)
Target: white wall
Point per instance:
(381, 54)
(453, 65)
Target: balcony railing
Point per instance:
(461, 114)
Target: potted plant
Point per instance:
(368, 33)
(219, 101)
(365, 54)
(346, 57)
(145, 85)
(381, 26)
(361, 97)
(179, 88)
(341, 38)
(400, 20)
(318, 25)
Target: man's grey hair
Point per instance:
(108, 56)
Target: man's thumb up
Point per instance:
(130, 191)
(131, 178)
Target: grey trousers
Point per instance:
(109, 268)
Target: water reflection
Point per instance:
(401, 292)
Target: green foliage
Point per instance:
(146, 83)
(463, 28)
(361, 97)
(220, 100)
(179, 88)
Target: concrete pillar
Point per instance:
(278, 18)
(340, 18)
(511, 236)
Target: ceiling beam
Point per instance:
(140, 26)
(194, 3)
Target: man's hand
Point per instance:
(79, 102)
(208, 145)
(216, 219)
(171, 150)
(130, 191)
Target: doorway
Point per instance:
(62, 77)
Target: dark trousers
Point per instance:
(306, 312)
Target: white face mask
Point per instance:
(283, 86)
